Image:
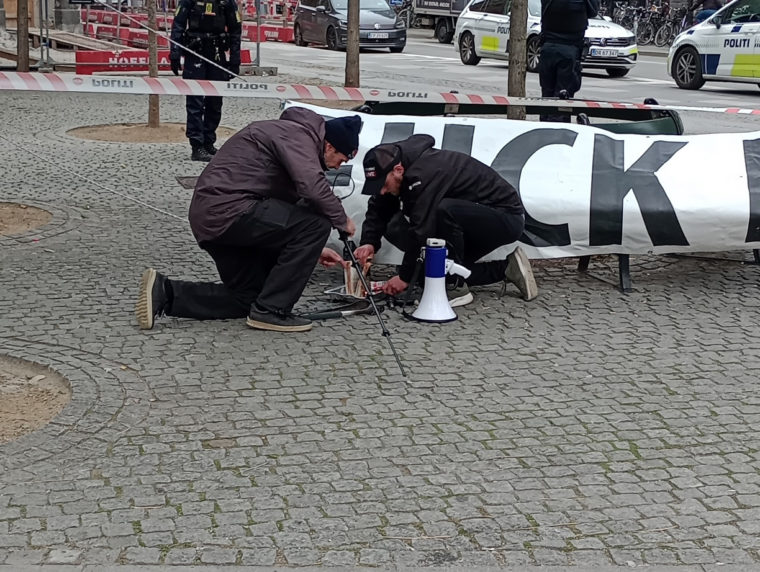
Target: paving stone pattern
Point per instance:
(586, 428)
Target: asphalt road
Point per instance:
(426, 64)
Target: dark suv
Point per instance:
(326, 22)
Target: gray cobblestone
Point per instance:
(526, 434)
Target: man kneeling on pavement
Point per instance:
(448, 195)
(244, 214)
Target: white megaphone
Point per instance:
(434, 306)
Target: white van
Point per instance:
(483, 32)
(725, 47)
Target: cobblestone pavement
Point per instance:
(584, 429)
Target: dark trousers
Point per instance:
(559, 68)
(266, 257)
(471, 231)
(203, 113)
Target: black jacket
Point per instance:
(565, 21)
(203, 26)
(431, 175)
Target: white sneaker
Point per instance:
(520, 274)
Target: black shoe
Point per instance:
(152, 300)
(200, 154)
(210, 149)
(277, 322)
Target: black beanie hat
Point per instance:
(343, 134)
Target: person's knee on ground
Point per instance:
(265, 316)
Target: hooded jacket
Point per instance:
(279, 159)
(431, 175)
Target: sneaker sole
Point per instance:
(256, 325)
(526, 275)
(144, 308)
(461, 301)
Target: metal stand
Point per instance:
(624, 270)
(257, 69)
(45, 64)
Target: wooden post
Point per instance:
(153, 103)
(22, 35)
(352, 45)
(518, 24)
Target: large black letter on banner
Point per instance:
(458, 138)
(610, 183)
(397, 132)
(752, 163)
(510, 162)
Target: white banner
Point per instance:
(587, 191)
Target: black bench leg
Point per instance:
(756, 254)
(583, 263)
(625, 273)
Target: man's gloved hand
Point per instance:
(176, 65)
(234, 69)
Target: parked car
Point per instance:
(326, 22)
(483, 32)
(722, 48)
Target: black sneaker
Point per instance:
(152, 301)
(210, 149)
(277, 322)
(200, 154)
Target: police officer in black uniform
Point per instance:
(210, 28)
(563, 28)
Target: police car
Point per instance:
(722, 48)
(483, 32)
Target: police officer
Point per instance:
(209, 28)
(563, 28)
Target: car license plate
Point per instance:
(378, 35)
(601, 53)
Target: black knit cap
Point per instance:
(378, 162)
(343, 134)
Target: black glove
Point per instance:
(235, 69)
(176, 65)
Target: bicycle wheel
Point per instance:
(405, 16)
(663, 35)
(645, 33)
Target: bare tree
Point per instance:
(352, 45)
(153, 102)
(518, 24)
(22, 35)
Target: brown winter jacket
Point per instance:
(279, 158)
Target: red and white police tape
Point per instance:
(176, 86)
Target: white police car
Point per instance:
(483, 32)
(722, 48)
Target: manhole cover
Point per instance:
(16, 218)
(30, 397)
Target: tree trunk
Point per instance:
(153, 105)
(22, 35)
(352, 45)
(518, 23)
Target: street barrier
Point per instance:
(16, 81)
(89, 62)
